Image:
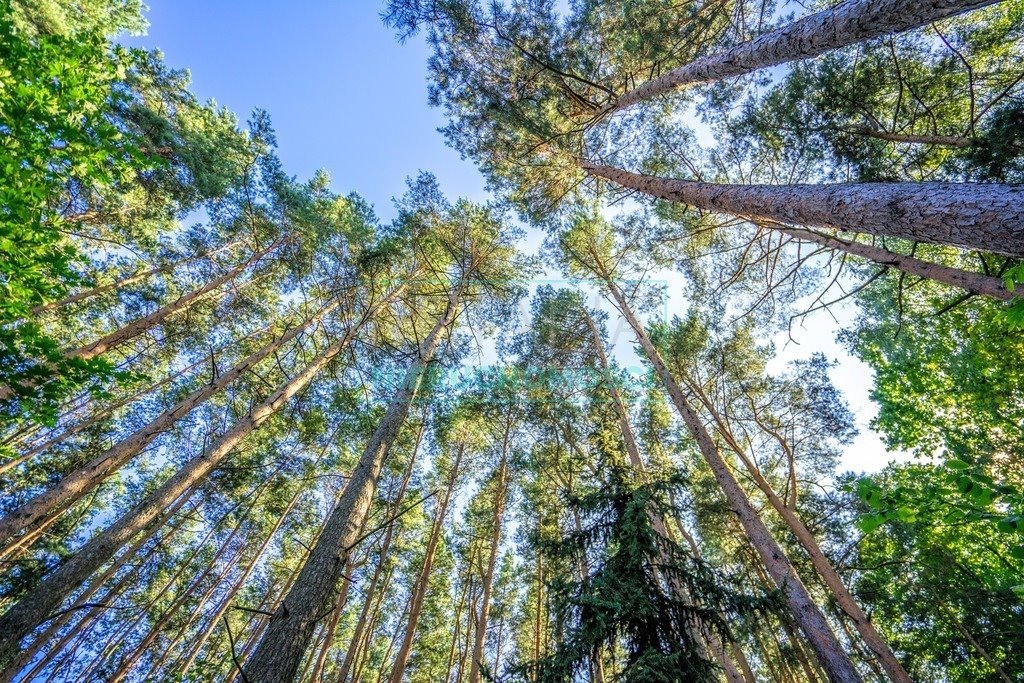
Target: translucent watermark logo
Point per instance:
(556, 359)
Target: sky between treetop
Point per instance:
(346, 97)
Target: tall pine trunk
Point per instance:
(77, 484)
(419, 591)
(277, 657)
(36, 606)
(850, 22)
(822, 565)
(806, 613)
(501, 488)
(984, 216)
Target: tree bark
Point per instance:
(822, 565)
(985, 216)
(37, 605)
(976, 283)
(423, 580)
(848, 23)
(806, 613)
(123, 282)
(77, 484)
(501, 487)
(277, 657)
(118, 337)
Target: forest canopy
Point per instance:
(251, 431)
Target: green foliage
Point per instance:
(640, 593)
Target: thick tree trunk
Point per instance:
(821, 563)
(73, 486)
(501, 487)
(976, 283)
(419, 591)
(277, 657)
(36, 606)
(812, 622)
(848, 23)
(985, 216)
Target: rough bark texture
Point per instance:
(985, 216)
(806, 613)
(850, 22)
(874, 640)
(36, 606)
(77, 484)
(976, 283)
(279, 653)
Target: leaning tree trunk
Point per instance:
(848, 23)
(279, 654)
(36, 606)
(123, 282)
(501, 487)
(77, 484)
(806, 613)
(985, 216)
(975, 283)
(137, 327)
(821, 563)
(118, 337)
(419, 590)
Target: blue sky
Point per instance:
(345, 96)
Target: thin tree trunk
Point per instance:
(985, 654)
(822, 565)
(78, 483)
(36, 606)
(938, 140)
(357, 636)
(848, 23)
(123, 282)
(278, 655)
(718, 650)
(501, 486)
(82, 425)
(118, 337)
(985, 216)
(816, 629)
(423, 580)
(976, 283)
